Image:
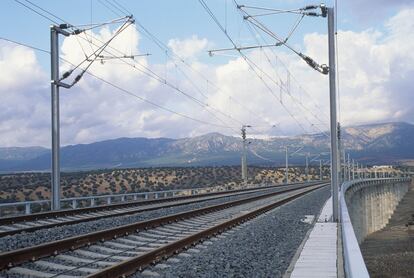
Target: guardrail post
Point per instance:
(123, 198)
(135, 197)
(156, 195)
(146, 196)
(92, 202)
(74, 204)
(108, 200)
(27, 208)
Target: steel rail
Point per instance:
(16, 257)
(138, 209)
(70, 212)
(139, 262)
(164, 203)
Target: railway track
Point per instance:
(50, 219)
(123, 250)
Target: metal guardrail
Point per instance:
(26, 207)
(354, 262)
(108, 199)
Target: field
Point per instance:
(36, 186)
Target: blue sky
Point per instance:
(376, 67)
(169, 19)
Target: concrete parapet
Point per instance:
(366, 206)
(372, 202)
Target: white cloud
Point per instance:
(23, 97)
(371, 67)
(18, 67)
(375, 70)
(188, 48)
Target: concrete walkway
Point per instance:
(318, 257)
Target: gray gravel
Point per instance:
(262, 247)
(22, 240)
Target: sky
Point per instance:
(179, 90)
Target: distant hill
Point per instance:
(19, 153)
(375, 143)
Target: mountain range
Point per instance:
(387, 143)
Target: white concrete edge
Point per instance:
(354, 262)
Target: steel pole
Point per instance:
(361, 168)
(244, 161)
(344, 162)
(307, 168)
(287, 166)
(244, 158)
(333, 122)
(320, 169)
(54, 65)
(353, 169)
(357, 170)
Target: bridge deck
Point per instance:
(318, 257)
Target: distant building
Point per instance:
(380, 167)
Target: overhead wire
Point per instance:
(128, 92)
(205, 6)
(280, 85)
(105, 50)
(97, 25)
(253, 65)
(271, 49)
(54, 16)
(249, 62)
(273, 10)
(164, 81)
(35, 11)
(43, 10)
(164, 47)
(111, 3)
(109, 8)
(174, 57)
(96, 53)
(337, 61)
(87, 57)
(26, 45)
(121, 6)
(296, 101)
(151, 74)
